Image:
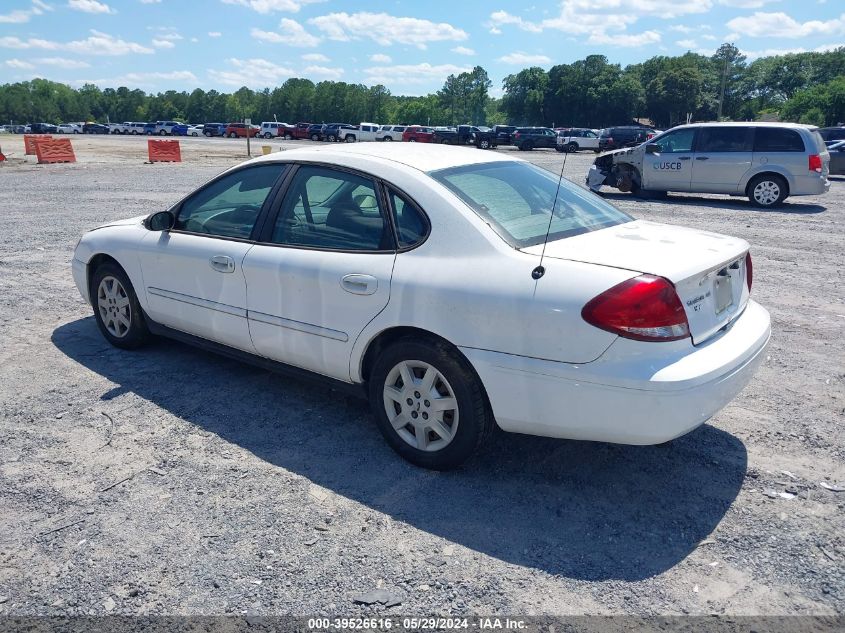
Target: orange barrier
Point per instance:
(164, 151)
(29, 142)
(54, 150)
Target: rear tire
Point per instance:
(484, 144)
(288, 137)
(572, 147)
(767, 191)
(116, 309)
(448, 418)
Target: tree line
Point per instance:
(801, 87)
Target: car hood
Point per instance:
(674, 252)
(127, 222)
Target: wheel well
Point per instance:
(97, 261)
(781, 177)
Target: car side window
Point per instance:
(725, 139)
(678, 142)
(229, 206)
(331, 209)
(411, 227)
(774, 139)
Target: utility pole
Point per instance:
(722, 91)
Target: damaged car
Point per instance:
(767, 162)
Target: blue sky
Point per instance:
(409, 46)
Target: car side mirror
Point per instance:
(160, 221)
(652, 148)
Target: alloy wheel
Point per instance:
(113, 304)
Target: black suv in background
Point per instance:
(623, 136)
(832, 133)
(42, 128)
(504, 134)
(315, 131)
(528, 138)
(95, 128)
(213, 129)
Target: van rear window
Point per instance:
(775, 139)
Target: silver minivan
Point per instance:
(765, 161)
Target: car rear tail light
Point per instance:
(749, 271)
(645, 308)
(816, 163)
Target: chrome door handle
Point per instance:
(222, 264)
(359, 284)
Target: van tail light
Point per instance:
(816, 163)
(645, 308)
(749, 271)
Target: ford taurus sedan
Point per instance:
(457, 289)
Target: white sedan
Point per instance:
(69, 128)
(421, 276)
(195, 130)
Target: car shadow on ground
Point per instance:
(740, 204)
(589, 511)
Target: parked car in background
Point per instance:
(832, 133)
(165, 128)
(504, 134)
(332, 131)
(180, 129)
(315, 131)
(575, 139)
(623, 136)
(241, 130)
(300, 130)
(765, 161)
(529, 138)
(149, 129)
(274, 129)
(69, 128)
(632, 341)
(390, 132)
(42, 128)
(196, 130)
(136, 128)
(213, 129)
(95, 128)
(362, 132)
(418, 134)
(837, 158)
(481, 137)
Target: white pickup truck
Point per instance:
(362, 132)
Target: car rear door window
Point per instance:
(331, 209)
(725, 139)
(776, 139)
(229, 206)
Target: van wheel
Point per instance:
(429, 403)
(767, 190)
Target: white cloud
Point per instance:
(746, 4)
(773, 25)
(250, 72)
(165, 32)
(625, 39)
(90, 6)
(268, 6)
(525, 59)
(150, 1)
(323, 72)
(687, 44)
(214, 34)
(163, 43)
(18, 64)
(291, 33)
(97, 44)
(143, 80)
(386, 29)
(315, 57)
(411, 74)
(680, 28)
(61, 62)
(20, 16)
(380, 58)
(463, 50)
(771, 52)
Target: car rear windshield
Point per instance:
(515, 199)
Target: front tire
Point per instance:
(484, 144)
(429, 403)
(116, 308)
(233, 135)
(767, 191)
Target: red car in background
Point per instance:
(418, 134)
(300, 130)
(236, 130)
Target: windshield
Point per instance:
(514, 198)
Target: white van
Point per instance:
(765, 161)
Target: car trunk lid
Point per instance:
(707, 269)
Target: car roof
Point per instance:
(792, 126)
(421, 156)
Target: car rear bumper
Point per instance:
(809, 185)
(635, 393)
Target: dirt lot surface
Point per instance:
(173, 481)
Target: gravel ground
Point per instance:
(173, 481)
